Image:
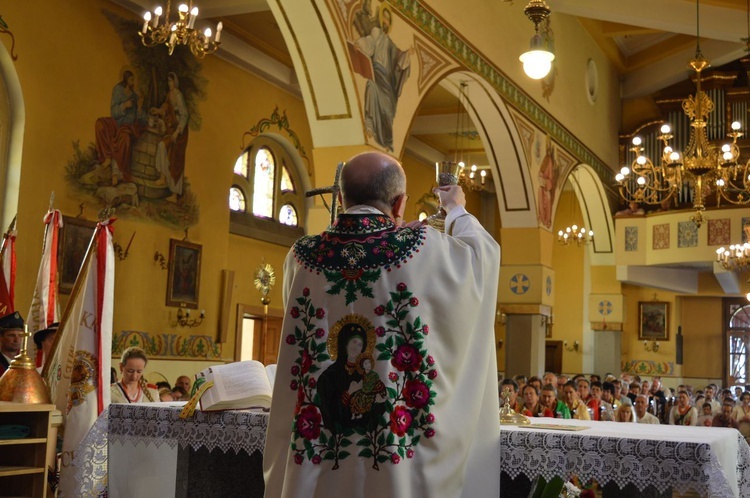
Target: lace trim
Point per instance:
(231, 430)
(683, 466)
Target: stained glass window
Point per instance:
(263, 183)
(240, 167)
(266, 199)
(288, 215)
(286, 180)
(739, 339)
(236, 199)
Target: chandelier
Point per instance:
(737, 257)
(471, 178)
(573, 234)
(180, 31)
(700, 163)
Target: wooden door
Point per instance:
(553, 353)
(271, 340)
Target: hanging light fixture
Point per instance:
(700, 163)
(737, 257)
(471, 177)
(537, 62)
(574, 234)
(180, 31)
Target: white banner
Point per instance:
(78, 370)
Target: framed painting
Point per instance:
(72, 246)
(183, 282)
(653, 321)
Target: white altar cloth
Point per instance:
(710, 461)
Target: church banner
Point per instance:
(79, 364)
(45, 309)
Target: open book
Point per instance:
(237, 386)
(361, 62)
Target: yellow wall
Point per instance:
(568, 309)
(67, 83)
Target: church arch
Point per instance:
(12, 121)
(592, 199)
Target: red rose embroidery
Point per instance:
(305, 292)
(406, 358)
(417, 394)
(401, 287)
(308, 422)
(380, 310)
(400, 420)
(294, 312)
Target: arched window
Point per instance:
(738, 315)
(266, 201)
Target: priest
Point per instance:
(387, 377)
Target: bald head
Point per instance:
(374, 179)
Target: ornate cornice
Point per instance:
(429, 23)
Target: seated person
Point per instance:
(536, 382)
(624, 414)
(183, 381)
(178, 394)
(163, 384)
(600, 409)
(165, 394)
(724, 419)
(550, 405)
(683, 413)
(641, 413)
(633, 209)
(530, 406)
(513, 399)
(578, 409)
(706, 418)
(634, 391)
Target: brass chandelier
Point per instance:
(737, 257)
(471, 177)
(180, 31)
(701, 163)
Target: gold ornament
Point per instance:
(265, 278)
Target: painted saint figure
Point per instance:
(116, 135)
(363, 398)
(391, 68)
(547, 185)
(170, 153)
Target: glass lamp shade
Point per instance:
(537, 63)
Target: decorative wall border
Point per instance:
(648, 367)
(168, 346)
(426, 20)
(282, 122)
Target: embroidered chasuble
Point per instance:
(387, 376)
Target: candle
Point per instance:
(157, 15)
(207, 34)
(219, 27)
(146, 19)
(193, 15)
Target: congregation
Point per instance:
(628, 398)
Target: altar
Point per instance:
(154, 453)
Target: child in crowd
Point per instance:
(706, 417)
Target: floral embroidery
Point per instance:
(348, 405)
(341, 252)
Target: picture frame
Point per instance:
(183, 281)
(75, 237)
(653, 320)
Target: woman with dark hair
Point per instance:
(132, 387)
